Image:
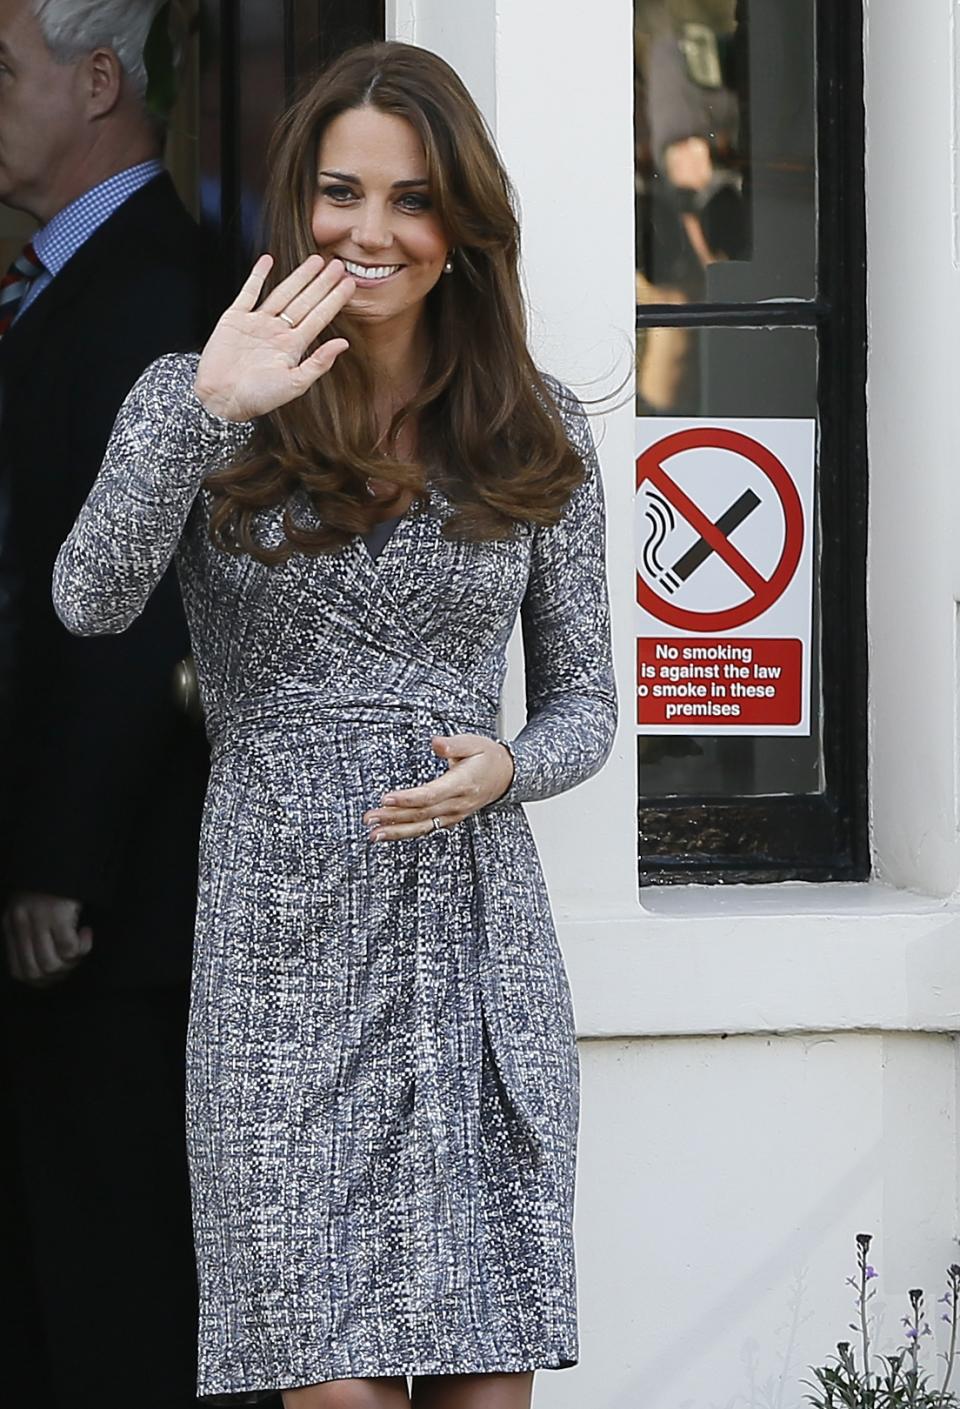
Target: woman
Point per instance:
(364, 480)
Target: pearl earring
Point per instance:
(448, 267)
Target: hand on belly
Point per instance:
(479, 771)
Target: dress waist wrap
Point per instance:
(443, 713)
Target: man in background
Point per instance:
(101, 776)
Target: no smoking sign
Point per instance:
(723, 539)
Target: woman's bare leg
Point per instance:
(508, 1391)
(388, 1392)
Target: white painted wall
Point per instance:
(767, 1070)
(721, 1186)
(914, 419)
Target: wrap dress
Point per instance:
(383, 1080)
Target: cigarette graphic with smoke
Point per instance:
(660, 516)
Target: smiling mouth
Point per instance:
(370, 271)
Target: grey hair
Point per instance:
(72, 28)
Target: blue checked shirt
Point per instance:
(58, 241)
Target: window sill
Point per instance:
(712, 960)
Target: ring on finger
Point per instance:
(287, 319)
(436, 824)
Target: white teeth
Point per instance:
(382, 271)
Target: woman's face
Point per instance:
(373, 210)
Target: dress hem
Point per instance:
(227, 1397)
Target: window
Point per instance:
(256, 55)
(751, 304)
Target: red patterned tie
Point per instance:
(15, 283)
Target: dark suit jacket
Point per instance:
(103, 776)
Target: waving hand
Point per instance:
(256, 358)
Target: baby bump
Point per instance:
(292, 801)
(293, 893)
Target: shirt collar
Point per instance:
(58, 241)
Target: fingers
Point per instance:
(309, 330)
(41, 939)
(458, 804)
(29, 960)
(247, 298)
(280, 298)
(448, 800)
(407, 831)
(47, 959)
(412, 812)
(424, 797)
(456, 782)
(297, 310)
(334, 297)
(311, 314)
(63, 933)
(474, 777)
(449, 805)
(459, 745)
(389, 828)
(314, 366)
(18, 929)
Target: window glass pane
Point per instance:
(726, 371)
(727, 375)
(725, 150)
(182, 153)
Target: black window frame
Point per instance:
(823, 836)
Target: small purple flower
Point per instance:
(870, 1272)
(911, 1333)
(945, 1298)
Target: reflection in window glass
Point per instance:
(732, 373)
(724, 140)
(726, 372)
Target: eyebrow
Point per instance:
(355, 180)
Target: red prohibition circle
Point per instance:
(764, 591)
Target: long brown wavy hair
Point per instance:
(486, 423)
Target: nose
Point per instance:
(372, 231)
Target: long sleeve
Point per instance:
(163, 445)
(565, 616)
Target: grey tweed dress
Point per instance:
(383, 1081)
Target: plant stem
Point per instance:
(915, 1352)
(862, 1253)
(951, 1353)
